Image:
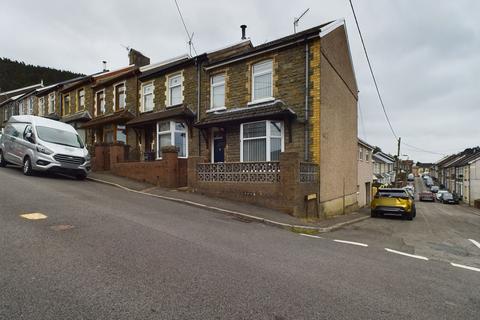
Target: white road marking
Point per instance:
(465, 267)
(475, 242)
(406, 254)
(351, 242)
(310, 236)
(33, 216)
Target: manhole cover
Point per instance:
(62, 227)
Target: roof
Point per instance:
(366, 145)
(379, 155)
(162, 63)
(55, 86)
(17, 97)
(106, 80)
(20, 90)
(161, 68)
(120, 116)
(270, 110)
(78, 116)
(152, 117)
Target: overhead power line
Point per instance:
(190, 36)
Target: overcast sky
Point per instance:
(425, 54)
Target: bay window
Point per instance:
(217, 85)
(262, 80)
(175, 90)
(147, 97)
(261, 141)
(172, 133)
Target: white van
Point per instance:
(40, 144)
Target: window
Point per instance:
(147, 97)
(367, 155)
(51, 102)
(41, 106)
(262, 80)
(30, 105)
(360, 153)
(172, 133)
(81, 99)
(20, 108)
(261, 141)
(100, 102)
(109, 133)
(120, 97)
(121, 134)
(217, 85)
(66, 106)
(175, 90)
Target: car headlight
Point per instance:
(44, 150)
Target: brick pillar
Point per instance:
(289, 180)
(99, 161)
(192, 170)
(117, 153)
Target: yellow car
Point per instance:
(393, 201)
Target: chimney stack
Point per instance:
(244, 28)
(137, 58)
(104, 65)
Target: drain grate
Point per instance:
(62, 227)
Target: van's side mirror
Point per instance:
(29, 137)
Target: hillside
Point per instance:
(15, 74)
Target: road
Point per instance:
(104, 253)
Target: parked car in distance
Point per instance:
(393, 201)
(434, 189)
(40, 144)
(440, 193)
(449, 198)
(426, 196)
(410, 177)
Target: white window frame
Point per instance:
(104, 103)
(169, 88)
(65, 97)
(115, 86)
(267, 136)
(254, 74)
(30, 105)
(51, 98)
(172, 132)
(212, 87)
(80, 96)
(20, 108)
(142, 96)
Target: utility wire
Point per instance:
(371, 72)
(361, 121)
(422, 150)
(190, 36)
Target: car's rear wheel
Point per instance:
(3, 163)
(27, 166)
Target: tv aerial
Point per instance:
(295, 20)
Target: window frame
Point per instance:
(267, 136)
(65, 99)
(212, 87)
(172, 130)
(169, 89)
(260, 73)
(142, 96)
(51, 102)
(116, 101)
(79, 97)
(41, 106)
(97, 106)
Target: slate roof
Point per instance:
(152, 117)
(271, 110)
(119, 116)
(78, 116)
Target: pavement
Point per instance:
(98, 252)
(240, 210)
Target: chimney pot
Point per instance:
(244, 28)
(104, 65)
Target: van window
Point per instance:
(58, 136)
(18, 129)
(27, 130)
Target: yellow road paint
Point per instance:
(33, 216)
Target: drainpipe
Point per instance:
(307, 89)
(198, 105)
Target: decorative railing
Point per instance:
(308, 172)
(239, 172)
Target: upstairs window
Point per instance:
(51, 102)
(100, 102)
(147, 97)
(20, 109)
(81, 99)
(261, 141)
(262, 76)
(66, 105)
(175, 90)
(120, 97)
(41, 106)
(217, 85)
(30, 105)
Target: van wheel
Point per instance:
(27, 166)
(3, 163)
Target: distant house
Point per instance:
(383, 167)
(14, 102)
(365, 173)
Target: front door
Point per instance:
(368, 192)
(218, 144)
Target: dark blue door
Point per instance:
(218, 149)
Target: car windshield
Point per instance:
(392, 194)
(59, 136)
(447, 196)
